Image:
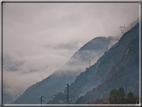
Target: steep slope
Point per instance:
(96, 75)
(66, 74)
(125, 73)
(90, 52)
(7, 97)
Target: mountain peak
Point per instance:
(56, 82)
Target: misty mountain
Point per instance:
(123, 74)
(119, 66)
(57, 81)
(7, 97)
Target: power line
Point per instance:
(104, 61)
(82, 77)
(107, 58)
(91, 71)
(120, 48)
(83, 83)
(93, 78)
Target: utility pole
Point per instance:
(122, 28)
(103, 94)
(67, 93)
(41, 99)
(89, 63)
(126, 89)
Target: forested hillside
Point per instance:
(119, 66)
(57, 81)
(124, 74)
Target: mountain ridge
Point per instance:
(96, 74)
(57, 81)
(123, 71)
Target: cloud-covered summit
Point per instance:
(45, 35)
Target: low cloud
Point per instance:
(10, 65)
(71, 46)
(39, 38)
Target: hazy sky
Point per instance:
(38, 38)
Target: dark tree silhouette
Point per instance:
(114, 96)
(130, 95)
(122, 92)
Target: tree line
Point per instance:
(118, 97)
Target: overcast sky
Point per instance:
(38, 38)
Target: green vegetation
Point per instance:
(130, 95)
(117, 97)
(114, 96)
(122, 92)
